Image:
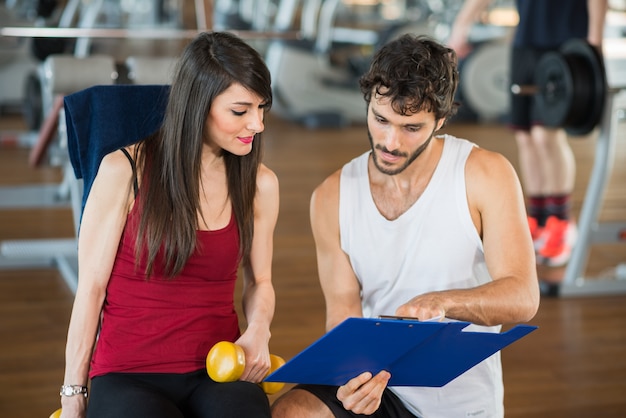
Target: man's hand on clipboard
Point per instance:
(363, 394)
(428, 306)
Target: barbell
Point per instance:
(569, 88)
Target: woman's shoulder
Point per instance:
(113, 184)
(266, 179)
(117, 165)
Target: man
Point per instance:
(421, 226)
(547, 164)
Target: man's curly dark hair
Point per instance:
(417, 73)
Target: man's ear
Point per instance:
(440, 124)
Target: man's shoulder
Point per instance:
(329, 187)
(449, 138)
(330, 183)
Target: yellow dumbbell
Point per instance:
(273, 387)
(56, 414)
(226, 362)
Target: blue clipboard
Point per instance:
(416, 353)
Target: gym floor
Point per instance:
(574, 365)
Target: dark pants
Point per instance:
(191, 395)
(523, 112)
(390, 407)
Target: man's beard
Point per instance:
(409, 160)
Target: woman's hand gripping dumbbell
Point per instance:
(226, 362)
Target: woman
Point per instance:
(166, 226)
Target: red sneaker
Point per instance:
(560, 236)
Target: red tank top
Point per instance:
(166, 325)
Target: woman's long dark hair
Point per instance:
(171, 158)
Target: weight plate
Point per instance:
(589, 67)
(485, 80)
(582, 97)
(555, 86)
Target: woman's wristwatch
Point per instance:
(73, 390)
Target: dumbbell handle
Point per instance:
(524, 90)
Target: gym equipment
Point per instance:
(120, 33)
(60, 75)
(16, 61)
(81, 160)
(243, 14)
(590, 230)
(99, 120)
(150, 70)
(273, 387)
(108, 13)
(570, 87)
(226, 361)
(575, 91)
(306, 88)
(485, 79)
(309, 86)
(315, 79)
(32, 108)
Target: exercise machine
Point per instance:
(315, 79)
(16, 62)
(309, 86)
(306, 88)
(61, 75)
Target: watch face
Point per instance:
(71, 390)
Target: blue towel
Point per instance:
(101, 119)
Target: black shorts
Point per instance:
(523, 110)
(169, 395)
(390, 407)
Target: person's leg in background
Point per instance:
(548, 171)
(547, 168)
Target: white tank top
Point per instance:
(432, 246)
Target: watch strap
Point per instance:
(73, 390)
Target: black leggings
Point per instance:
(156, 395)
